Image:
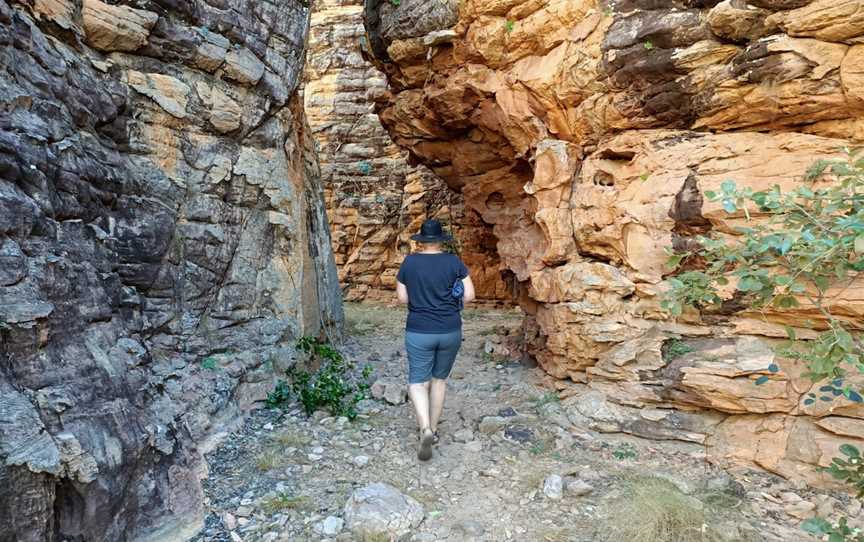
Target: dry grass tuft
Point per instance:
(269, 460)
(283, 501)
(652, 509)
(289, 439)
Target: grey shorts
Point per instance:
(431, 355)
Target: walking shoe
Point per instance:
(424, 452)
(435, 438)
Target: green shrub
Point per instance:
(332, 386)
(812, 241)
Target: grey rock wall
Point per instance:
(163, 240)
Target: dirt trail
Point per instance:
(503, 435)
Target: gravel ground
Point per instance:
(504, 441)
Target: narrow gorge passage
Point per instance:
(505, 439)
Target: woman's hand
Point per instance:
(469, 290)
(402, 292)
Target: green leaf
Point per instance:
(727, 186)
(816, 525)
(761, 380)
(729, 206)
(859, 243)
(849, 451)
(774, 368)
(710, 194)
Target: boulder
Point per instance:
(379, 511)
(392, 390)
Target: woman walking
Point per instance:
(434, 284)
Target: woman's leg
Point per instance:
(420, 362)
(419, 394)
(436, 402)
(445, 356)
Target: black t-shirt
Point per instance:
(429, 279)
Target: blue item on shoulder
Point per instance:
(458, 292)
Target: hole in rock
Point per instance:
(69, 511)
(495, 201)
(603, 178)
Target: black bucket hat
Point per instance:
(431, 232)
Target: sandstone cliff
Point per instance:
(586, 133)
(162, 237)
(375, 198)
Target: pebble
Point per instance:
(789, 497)
(331, 526)
(235, 537)
(491, 424)
(801, 509)
(229, 521)
(463, 435)
(313, 457)
(553, 487)
(578, 488)
(470, 528)
(361, 460)
(319, 450)
(474, 446)
(244, 511)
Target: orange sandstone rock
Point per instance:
(587, 136)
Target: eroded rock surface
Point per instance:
(162, 236)
(587, 133)
(375, 199)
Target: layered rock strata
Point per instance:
(375, 198)
(587, 134)
(163, 237)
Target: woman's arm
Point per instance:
(469, 290)
(402, 292)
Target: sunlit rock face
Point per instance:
(587, 134)
(163, 240)
(375, 199)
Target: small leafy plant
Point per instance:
(648, 45)
(675, 348)
(332, 386)
(624, 451)
(210, 364)
(395, 3)
(279, 397)
(509, 25)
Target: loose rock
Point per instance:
(381, 510)
(553, 487)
